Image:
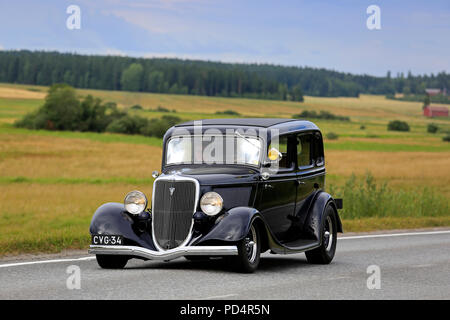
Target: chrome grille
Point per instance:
(174, 202)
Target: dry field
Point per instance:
(400, 169)
(51, 182)
(64, 158)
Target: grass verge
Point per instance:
(364, 198)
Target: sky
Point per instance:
(413, 36)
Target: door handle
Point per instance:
(268, 186)
(297, 182)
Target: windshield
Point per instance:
(220, 149)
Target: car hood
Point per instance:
(216, 175)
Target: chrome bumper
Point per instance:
(164, 255)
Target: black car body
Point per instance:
(264, 199)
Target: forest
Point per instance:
(163, 75)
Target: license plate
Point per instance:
(106, 239)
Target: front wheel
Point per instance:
(325, 253)
(249, 250)
(106, 261)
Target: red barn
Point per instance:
(435, 111)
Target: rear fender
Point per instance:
(313, 224)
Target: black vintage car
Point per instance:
(231, 188)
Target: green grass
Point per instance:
(380, 146)
(93, 136)
(390, 223)
(16, 108)
(365, 198)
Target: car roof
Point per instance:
(244, 122)
(274, 125)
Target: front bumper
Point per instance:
(166, 255)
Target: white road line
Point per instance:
(45, 261)
(422, 265)
(219, 297)
(340, 238)
(340, 278)
(394, 235)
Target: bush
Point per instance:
(171, 120)
(446, 138)
(158, 127)
(229, 112)
(363, 127)
(127, 125)
(63, 111)
(155, 128)
(28, 121)
(432, 128)
(97, 116)
(398, 125)
(332, 136)
(322, 115)
(136, 107)
(162, 109)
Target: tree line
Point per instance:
(163, 75)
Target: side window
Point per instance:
(304, 150)
(286, 146)
(318, 150)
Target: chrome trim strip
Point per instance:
(164, 255)
(176, 177)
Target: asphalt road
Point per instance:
(412, 266)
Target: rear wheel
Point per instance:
(249, 250)
(106, 261)
(325, 253)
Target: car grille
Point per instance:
(173, 207)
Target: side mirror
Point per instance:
(155, 174)
(274, 154)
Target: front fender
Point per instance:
(232, 226)
(313, 225)
(111, 218)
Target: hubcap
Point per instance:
(251, 244)
(328, 234)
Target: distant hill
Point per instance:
(208, 78)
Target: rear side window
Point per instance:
(318, 150)
(304, 151)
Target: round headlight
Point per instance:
(135, 202)
(211, 203)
